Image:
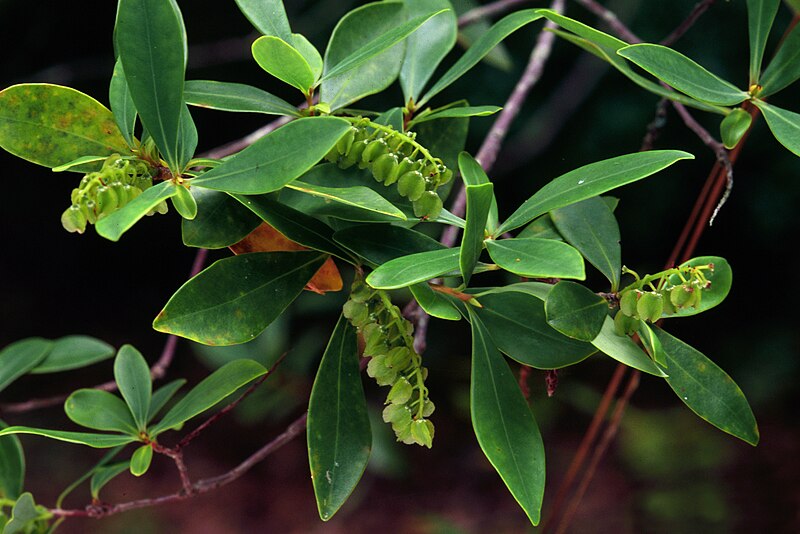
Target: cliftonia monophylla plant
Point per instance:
(359, 190)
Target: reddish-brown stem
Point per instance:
(464, 297)
(177, 456)
(524, 374)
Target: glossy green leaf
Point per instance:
(734, 126)
(184, 203)
(541, 227)
(504, 424)
(591, 180)
(227, 96)
(784, 69)
(132, 375)
(51, 125)
(517, 323)
(234, 299)
(100, 410)
(591, 227)
(12, 466)
(309, 53)
(449, 113)
(680, 72)
(24, 515)
(760, 16)
(652, 344)
(434, 303)
(162, 396)
(408, 270)
(355, 30)
(537, 258)
(721, 279)
(539, 290)
(622, 349)
(20, 357)
(140, 460)
(214, 388)
(471, 171)
(575, 311)
(338, 429)
(479, 203)
(79, 162)
(498, 57)
(480, 48)
(151, 42)
(268, 17)
(378, 244)
(187, 138)
(104, 475)
(359, 197)
(283, 61)
(98, 441)
(220, 222)
(277, 158)
(784, 124)
(428, 45)
(122, 105)
(122, 220)
(707, 390)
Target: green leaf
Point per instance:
(187, 138)
(734, 126)
(214, 388)
(221, 221)
(234, 299)
(98, 441)
(652, 344)
(449, 113)
(408, 270)
(283, 61)
(499, 57)
(680, 72)
(784, 69)
(79, 162)
(760, 16)
(20, 357)
(537, 258)
(140, 461)
(541, 227)
(132, 375)
(184, 203)
(721, 279)
(575, 311)
(516, 322)
(309, 53)
(276, 159)
(100, 410)
(481, 47)
(354, 31)
(503, 423)
(379, 243)
(151, 41)
(235, 97)
(591, 227)
(785, 125)
(24, 516)
(162, 396)
(591, 180)
(707, 390)
(338, 429)
(446, 138)
(359, 197)
(622, 349)
(12, 466)
(113, 226)
(51, 125)
(434, 303)
(428, 45)
(122, 104)
(104, 475)
(479, 203)
(268, 17)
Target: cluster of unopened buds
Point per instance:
(393, 362)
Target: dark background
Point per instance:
(667, 472)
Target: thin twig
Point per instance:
(699, 8)
(482, 12)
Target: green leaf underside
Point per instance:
(283, 61)
(238, 97)
(434, 303)
(575, 311)
(220, 222)
(378, 244)
(122, 220)
(760, 16)
(98, 441)
(516, 322)
(24, 515)
(20, 357)
(132, 375)
(451, 113)
(119, 97)
(338, 428)
(277, 158)
(707, 390)
(591, 180)
(140, 461)
(408, 270)
(785, 125)
(784, 69)
(151, 42)
(721, 279)
(591, 227)
(504, 425)
(734, 126)
(267, 16)
(215, 387)
(624, 350)
(359, 197)
(309, 53)
(479, 202)
(104, 475)
(12, 466)
(50, 125)
(100, 410)
(234, 299)
(537, 258)
(680, 72)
